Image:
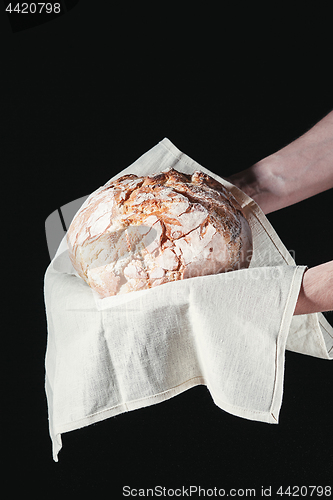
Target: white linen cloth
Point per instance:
(227, 331)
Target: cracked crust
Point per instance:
(139, 232)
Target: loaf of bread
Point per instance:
(135, 233)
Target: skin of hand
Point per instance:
(296, 172)
(316, 293)
(302, 169)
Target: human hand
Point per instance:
(300, 170)
(316, 293)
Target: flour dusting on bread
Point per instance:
(135, 233)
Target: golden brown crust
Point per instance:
(139, 232)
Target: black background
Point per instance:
(83, 96)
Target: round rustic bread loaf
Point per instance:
(139, 232)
